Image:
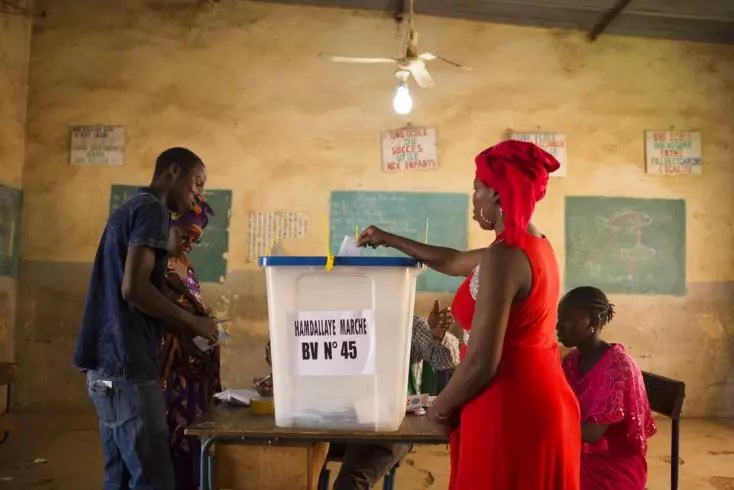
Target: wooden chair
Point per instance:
(666, 397)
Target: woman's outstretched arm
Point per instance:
(442, 259)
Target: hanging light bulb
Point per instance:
(402, 102)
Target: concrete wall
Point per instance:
(241, 84)
(14, 54)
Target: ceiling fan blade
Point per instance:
(349, 59)
(420, 73)
(467, 68)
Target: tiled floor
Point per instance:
(70, 456)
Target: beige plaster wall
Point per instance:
(241, 84)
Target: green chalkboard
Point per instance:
(626, 245)
(404, 213)
(11, 201)
(119, 194)
(209, 256)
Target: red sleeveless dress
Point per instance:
(523, 431)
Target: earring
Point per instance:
(481, 215)
(592, 330)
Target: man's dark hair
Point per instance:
(183, 157)
(594, 302)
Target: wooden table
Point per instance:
(235, 425)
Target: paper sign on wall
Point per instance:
(333, 343)
(553, 143)
(409, 149)
(263, 229)
(97, 145)
(673, 152)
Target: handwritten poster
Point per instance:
(265, 228)
(97, 145)
(553, 143)
(409, 149)
(333, 343)
(673, 152)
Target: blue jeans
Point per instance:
(132, 424)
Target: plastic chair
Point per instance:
(666, 398)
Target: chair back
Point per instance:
(665, 395)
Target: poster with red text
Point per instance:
(673, 152)
(409, 149)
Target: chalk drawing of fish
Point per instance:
(637, 253)
(628, 221)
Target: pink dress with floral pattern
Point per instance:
(613, 393)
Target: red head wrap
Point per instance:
(518, 171)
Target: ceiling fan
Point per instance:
(411, 63)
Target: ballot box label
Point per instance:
(333, 343)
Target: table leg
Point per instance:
(206, 468)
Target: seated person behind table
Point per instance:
(616, 421)
(365, 464)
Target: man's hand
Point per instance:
(439, 320)
(205, 327)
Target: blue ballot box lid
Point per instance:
(288, 261)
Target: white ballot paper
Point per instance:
(277, 250)
(349, 248)
(203, 344)
(237, 397)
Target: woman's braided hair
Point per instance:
(594, 301)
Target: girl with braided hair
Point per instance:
(616, 421)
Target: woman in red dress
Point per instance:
(518, 419)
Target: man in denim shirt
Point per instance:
(120, 336)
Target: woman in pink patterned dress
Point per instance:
(616, 421)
